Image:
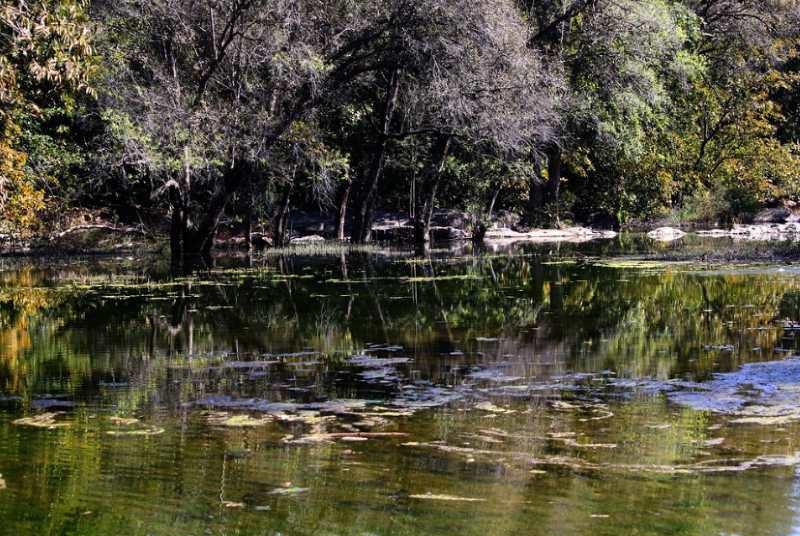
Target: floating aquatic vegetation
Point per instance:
(367, 361)
(43, 420)
(758, 393)
(719, 348)
(426, 396)
(725, 465)
(236, 421)
(488, 406)
(494, 375)
(327, 437)
(249, 404)
(437, 497)
(438, 278)
(147, 431)
(384, 348)
(569, 440)
(639, 264)
(288, 490)
(123, 421)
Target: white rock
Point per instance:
(666, 234)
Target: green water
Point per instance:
(497, 393)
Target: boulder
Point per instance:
(666, 234)
(773, 215)
(311, 239)
(575, 234)
(508, 219)
(444, 234)
(389, 220)
(397, 233)
(457, 219)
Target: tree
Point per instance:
(453, 69)
(618, 58)
(213, 85)
(46, 63)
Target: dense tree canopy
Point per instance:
(188, 115)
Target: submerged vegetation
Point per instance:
(207, 119)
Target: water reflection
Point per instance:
(487, 377)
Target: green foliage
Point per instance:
(46, 63)
(655, 107)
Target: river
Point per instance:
(529, 390)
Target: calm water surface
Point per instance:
(516, 392)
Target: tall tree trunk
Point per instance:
(536, 192)
(554, 178)
(280, 237)
(493, 202)
(364, 211)
(248, 222)
(177, 230)
(199, 240)
(341, 213)
(422, 223)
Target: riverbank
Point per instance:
(454, 231)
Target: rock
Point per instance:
(763, 231)
(458, 219)
(311, 223)
(666, 234)
(573, 234)
(773, 215)
(398, 233)
(390, 220)
(443, 234)
(506, 218)
(311, 239)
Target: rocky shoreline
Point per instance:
(391, 228)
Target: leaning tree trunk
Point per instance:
(422, 223)
(362, 224)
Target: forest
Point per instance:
(184, 118)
